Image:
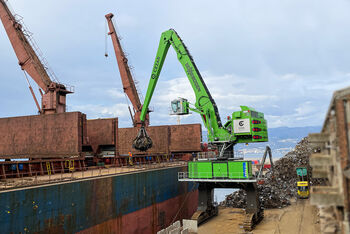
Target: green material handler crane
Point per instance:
(245, 126)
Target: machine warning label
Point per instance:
(241, 126)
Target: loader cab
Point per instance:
(303, 189)
(302, 182)
(179, 107)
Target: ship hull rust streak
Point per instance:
(140, 202)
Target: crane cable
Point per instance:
(106, 38)
(128, 103)
(32, 92)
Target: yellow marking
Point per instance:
(302, 183)
(48, 168)
(69, 164)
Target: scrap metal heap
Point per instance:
(142, 141)
(280, 187)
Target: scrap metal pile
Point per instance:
(142, 141)
(279, 188)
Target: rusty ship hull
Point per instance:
(136, 202)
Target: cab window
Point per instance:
(303, 188)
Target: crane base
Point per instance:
(251, 220)
(202, 216)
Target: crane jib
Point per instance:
(190, 73)
(155, 68)
(217, 133)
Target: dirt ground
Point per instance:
(299, 218)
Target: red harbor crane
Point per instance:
(126, 76)
(32, 63)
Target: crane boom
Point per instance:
(245, 126)
(54, 97)
(129, 86)
(205, 104)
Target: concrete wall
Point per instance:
(331, 160)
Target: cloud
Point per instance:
(115, 93)
(284, 59)
(103, 111)
(286, 102)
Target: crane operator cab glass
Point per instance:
(179, 107)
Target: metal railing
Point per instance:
(209, 175)
(239, 154)
(258, 175)
(58, 175)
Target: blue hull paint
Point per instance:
(76, 206)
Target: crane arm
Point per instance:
(28, 54)
(205, 104)
(27, 58)
(127, 80)
(245, 126)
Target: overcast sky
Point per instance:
(283, 58)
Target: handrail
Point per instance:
(57, 175)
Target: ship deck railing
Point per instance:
(58, 176)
